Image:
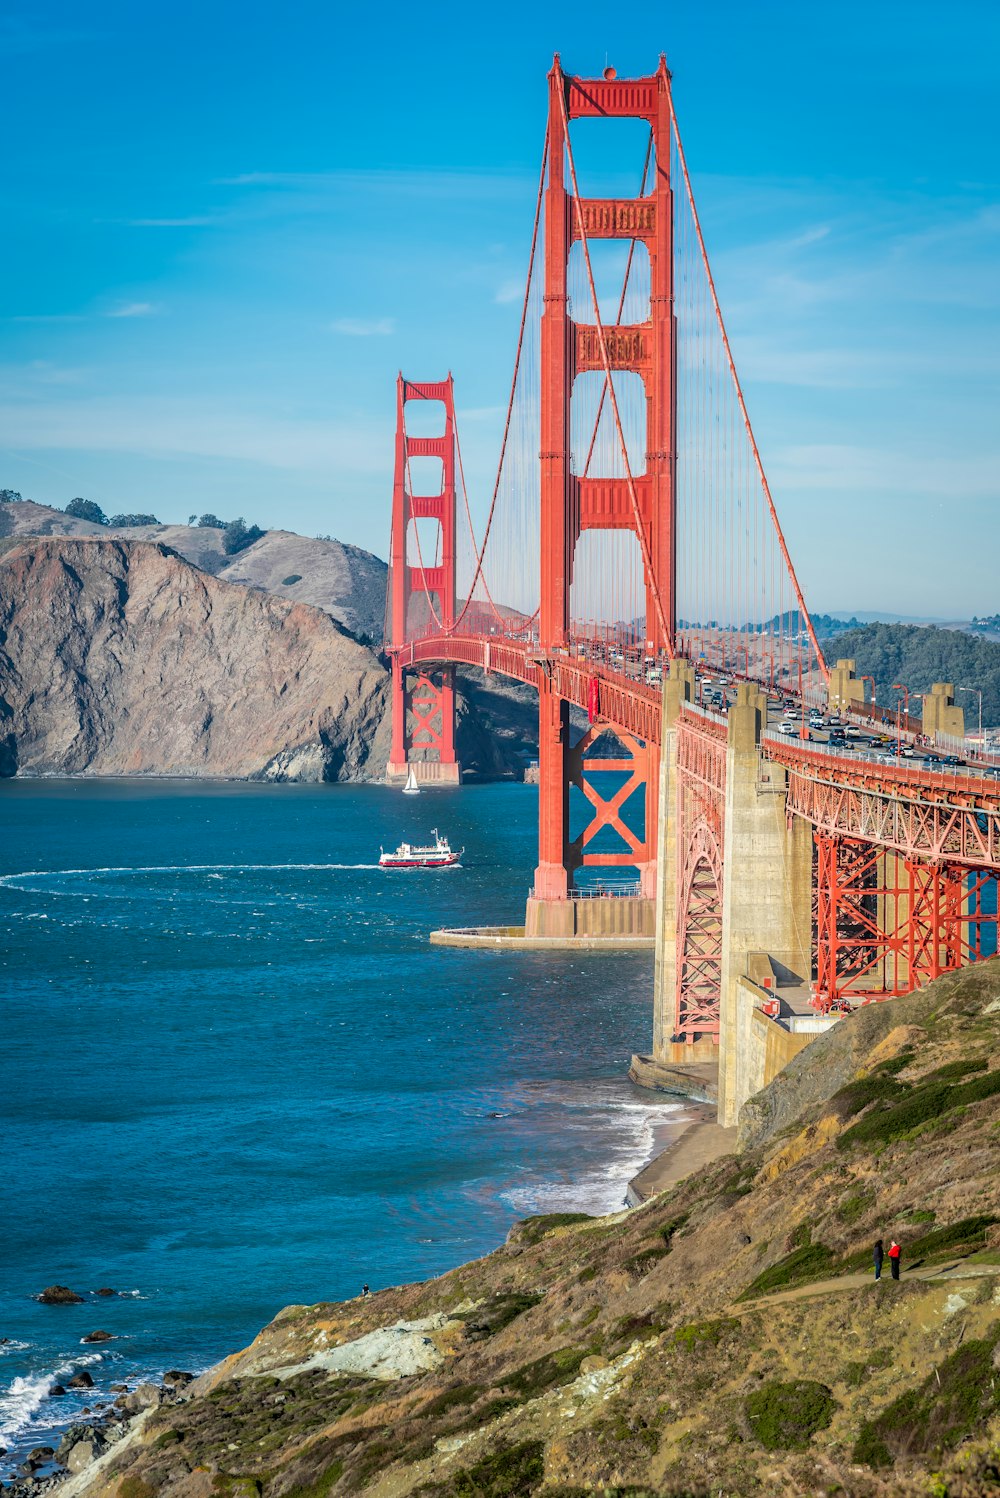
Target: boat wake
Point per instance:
(213, 870)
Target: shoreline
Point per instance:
(686, 1141)
(699, 1141)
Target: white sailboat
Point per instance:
(411, 788)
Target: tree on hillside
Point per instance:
(192, 519)
(9, 497)
(211, 522)
(920, 655)
(133, 520)
(86, 509)
(237, 536)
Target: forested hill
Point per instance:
(919, 655)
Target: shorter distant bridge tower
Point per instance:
(421, 598)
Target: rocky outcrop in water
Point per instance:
(120, 658)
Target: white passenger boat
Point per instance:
(437, 855)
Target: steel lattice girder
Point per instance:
(699, 937)
(922, 815)
(886, 924)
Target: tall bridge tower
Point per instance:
(640, 501)
(421, 597)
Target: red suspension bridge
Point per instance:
(630, 558)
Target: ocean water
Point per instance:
(236, 1076)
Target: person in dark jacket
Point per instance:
(878, 1255)
(894, 1253)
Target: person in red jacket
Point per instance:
(894, 1253)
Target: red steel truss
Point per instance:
(886, 924)
(700, 792)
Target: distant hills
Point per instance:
(919, 655)
(343, 580)
(148, 650)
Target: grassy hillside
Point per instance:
(919, 655)
(726, 1338)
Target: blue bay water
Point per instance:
(236, 1075)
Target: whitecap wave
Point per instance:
(12, 1345)
(632, 1134)
(21, 1402)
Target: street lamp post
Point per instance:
(898, 686)
(872, 680)
(979, 692)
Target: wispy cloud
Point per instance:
(136, 309)
(193, 221)
(153, 427)
(359, 327)
(510, 290)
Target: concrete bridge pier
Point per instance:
(767, 888)
(764, 914)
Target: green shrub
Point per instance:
(894, 1064)
(952, 1402)
(955, 1069)
(496, 1313)
(534, 1229)
(920, 1214)
(323, 1484)
(854, 1207)
(134, 1487)
(293, 577)
(855, 1374)
(921, 1105)
(639, 1328)
(511, 1472)
(962, 1237)
(785, 1417)
(647, 1258)
(697, 1333)
(878, 1087)
(670, 1229)
(549, 1371)
(448, 1399)
(807, 1263)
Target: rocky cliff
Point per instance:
(346, 581)
(120, 658)
(726, 1338)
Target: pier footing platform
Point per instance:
(430, 772)
(515, 939)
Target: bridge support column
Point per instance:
(678, 688)
(767, 885)
(423, 726)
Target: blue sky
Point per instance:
(226, 227)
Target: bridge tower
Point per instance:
(571, 503)
(422, 593)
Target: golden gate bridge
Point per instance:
(630, 551)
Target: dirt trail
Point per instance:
(961, 1270)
